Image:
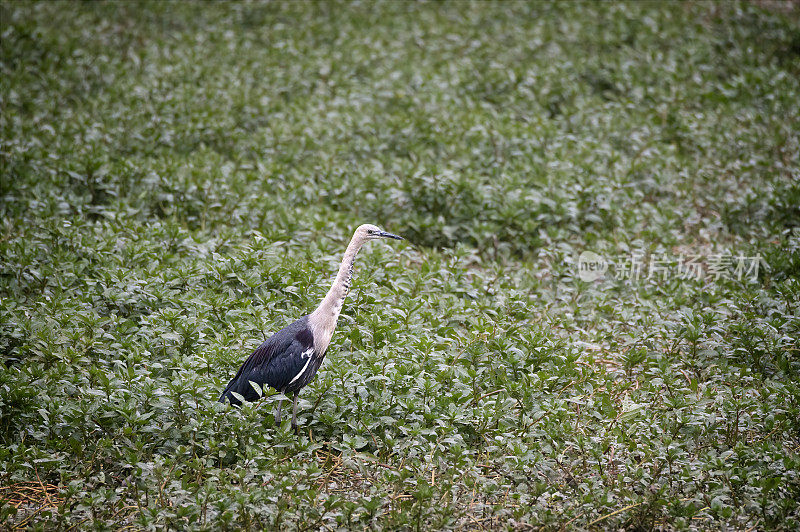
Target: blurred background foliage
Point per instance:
(180, 179)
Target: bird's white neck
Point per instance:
(323, 320)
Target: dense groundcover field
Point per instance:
(179, 180)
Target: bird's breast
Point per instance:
(322, 326)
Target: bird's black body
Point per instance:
(286, 361)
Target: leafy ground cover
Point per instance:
(180, 179)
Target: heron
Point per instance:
(289, 359)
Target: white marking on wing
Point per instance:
(302, 370)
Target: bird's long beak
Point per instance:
(384, 234)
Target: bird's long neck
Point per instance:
(323, 319)
(332, 303)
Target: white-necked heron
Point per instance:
(289, 359)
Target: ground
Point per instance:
(179, 180)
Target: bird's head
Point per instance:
(371, 232)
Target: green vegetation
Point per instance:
(180, 179)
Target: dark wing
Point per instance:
(274, 363)
(306, 375)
